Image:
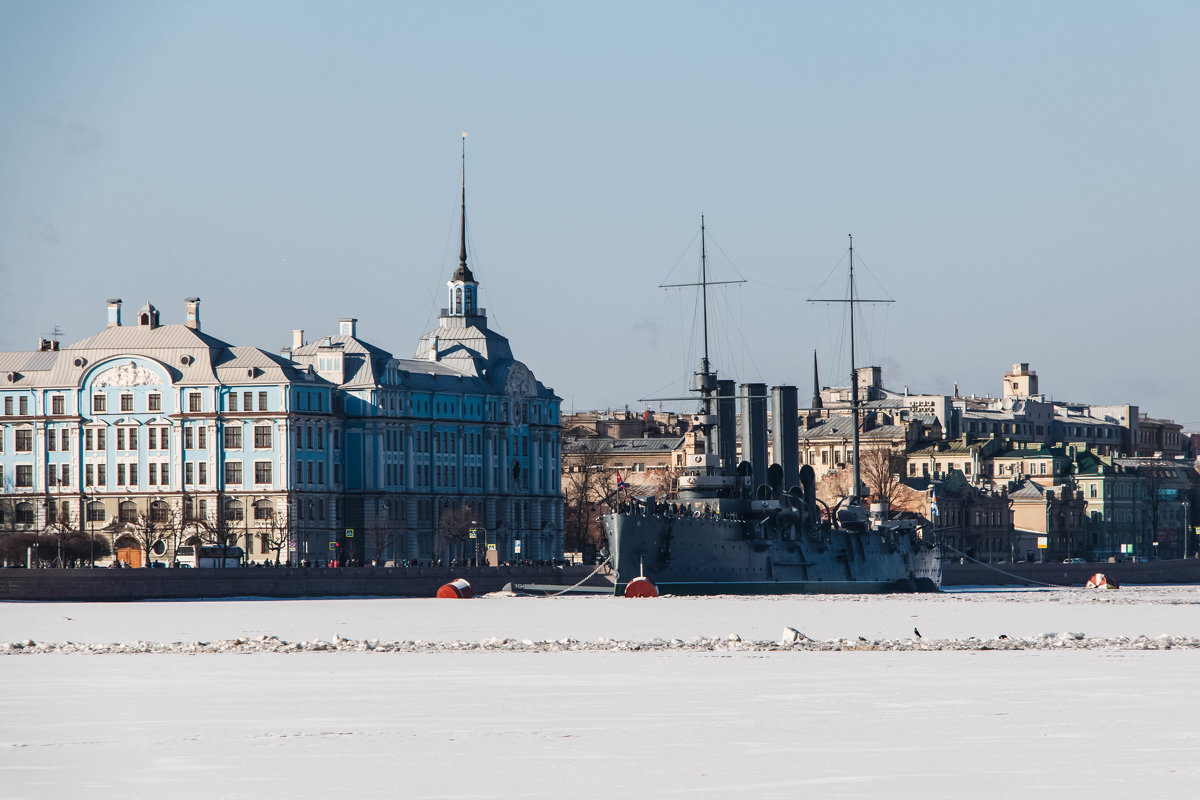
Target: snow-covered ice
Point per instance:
(591, 696)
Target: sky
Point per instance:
(1019, 178)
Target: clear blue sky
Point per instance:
(1020, 177)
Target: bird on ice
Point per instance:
(917, 632)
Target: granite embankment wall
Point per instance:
(1149, 572)
(160, 584)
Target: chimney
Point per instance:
(297, 339)
(348, 326)
(114, 313)
(192, 304)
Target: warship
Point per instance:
(741, 526)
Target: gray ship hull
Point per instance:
(702, 555)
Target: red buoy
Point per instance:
(641, 587)
(458, 589)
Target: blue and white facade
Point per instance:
(347, 450)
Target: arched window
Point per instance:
(234, 512)
(95, 511)
(24, 513)
(159, 511)
(127, 511)
(470, 306)
(458, 300)
(263, 509)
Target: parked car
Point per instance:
(1074, 560)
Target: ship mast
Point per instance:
(855, 405)
(854, 491)
(704, 293)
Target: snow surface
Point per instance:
(503, 697)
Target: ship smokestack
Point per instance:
(727, 424)
(754, 430)
(785, 434)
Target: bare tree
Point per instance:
(881, 466)
(217, 531)
(153, 527)
(274, 530)
(454, 527)
(587, 481)
(834, 487)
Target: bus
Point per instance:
(208, 556)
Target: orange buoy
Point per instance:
(641, 587)
(1101, 581)
(457, 589)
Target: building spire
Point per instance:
(816, 399)
(463, 273)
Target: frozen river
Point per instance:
(560, 704)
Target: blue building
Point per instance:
(156, 436)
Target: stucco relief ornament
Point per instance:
(127, 375)
(520, 382)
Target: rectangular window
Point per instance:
(133, 475)
(300, 471)
(89, 475)
(262, 401)
(163, 439)
(120, 474)
(233, 472)
(189, 473)
(24, 476)
(203, 473)
(127, 402)
(201, 436)
(262, 471)
(231, 401)
(152, 474)
(64, 475)
(64, 440)
(23, 405)
(262, 437)
(194, 402)
(98, 402)
(320, 472)
(164, 474)
(310, 472)
(8, 406)
(233, 437)
(120, 438)
(154, 402)
(24, 440)
(299, 438)
(52, 475)
(58, 404)
(152, 444)
(320, 438)
(51, 440)
(248, 401)
(309, 437)
(189, 438)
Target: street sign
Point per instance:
(1043, 542)
(516, 545)
(291, 547)
(333, 545)
(491, 548)
(471, 534)
(349, 533)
